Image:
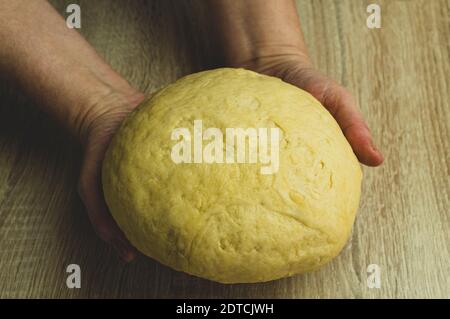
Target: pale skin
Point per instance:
(72, 83)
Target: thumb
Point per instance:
(342, 106)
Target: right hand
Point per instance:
(97, 131)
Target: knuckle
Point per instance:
(344, 94)
(336, 97)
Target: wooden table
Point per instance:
(400, 75)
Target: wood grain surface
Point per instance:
(400, 76)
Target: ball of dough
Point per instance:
(228, 222)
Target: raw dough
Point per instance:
(228, 222)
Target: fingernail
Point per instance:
(379, 154)
(127, 256)
(123, 251)
(375, 148)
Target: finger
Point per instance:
(342, 106)
(99, 215)
(107, 229)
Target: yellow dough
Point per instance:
(228, 222)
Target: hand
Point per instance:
(98, 129)
(57, 67)
(266, 37)
(297, 70)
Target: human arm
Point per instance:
(70, 82)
